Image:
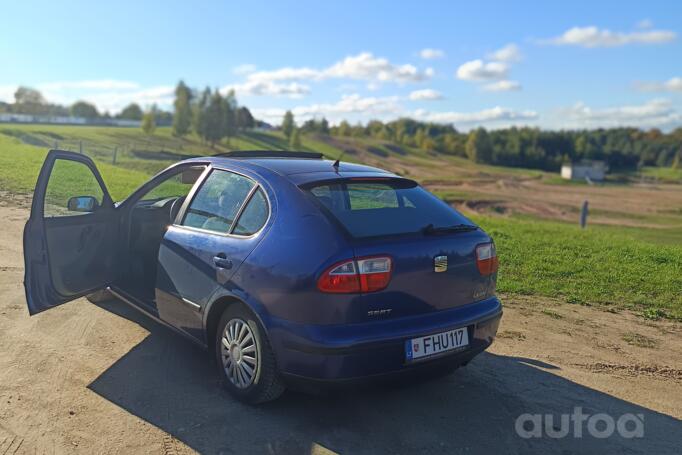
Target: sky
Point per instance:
(557, 65)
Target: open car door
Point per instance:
(70, 237)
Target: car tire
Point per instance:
(247, 368)
(99, 296)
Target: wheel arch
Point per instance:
(214, 311)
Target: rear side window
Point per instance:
(254, 215)
(378, 208)
(218, 201)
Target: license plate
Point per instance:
(418, 348)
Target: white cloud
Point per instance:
(364, 66)
(243, 69)
(99, 84)
(478, 70)
(426, 95)
(7, 93)
(502, 86)
(348, 106)
(671, 85)
(493, 116)
(357, 108)
(285, 74)
(644, 24)
(107, 94)
(431, 54)
(658, 113)
(115, 101)
(268, 88)
(592, 37)
(508, 53)
(373, 86)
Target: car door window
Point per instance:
(175, 186)
(70, 179)
(218, 201)
(254, 215)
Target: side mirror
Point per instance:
(84, 204)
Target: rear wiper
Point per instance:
(430, 229)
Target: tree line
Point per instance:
(30, 101)
(215, 117)
(530, 147)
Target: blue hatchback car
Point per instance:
(288, 267)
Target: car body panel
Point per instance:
(346, 351)
(415, 286)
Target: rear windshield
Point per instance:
(378, 208)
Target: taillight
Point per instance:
(486, 259)
(368, 274)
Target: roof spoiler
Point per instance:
(271, 154)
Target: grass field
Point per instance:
(630, 257)
(598, 266)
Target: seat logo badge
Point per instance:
(440, 263)
(384, 312)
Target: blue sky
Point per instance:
(569, 65)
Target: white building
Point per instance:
(585, 170)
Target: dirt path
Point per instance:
(102, 379)
(651, 206)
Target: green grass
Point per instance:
(593, 266)
(639, 340)
(657, 236)
(20, 165)
(663, 174)
(23, 149)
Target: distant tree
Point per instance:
(288, 125)
(478, 146)
(419, 138)
(324, 126)
(199, 113)
(214, 127)
(343, 129)
(162, 117)
(230, 126)
(245, 120)
(677, 160)
(182, 116)
(30, 101)
(131, 112)
(295, 139)
(84, 109)
(149, 121)
(27, 95)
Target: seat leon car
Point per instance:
(289, 268)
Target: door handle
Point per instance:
(220, 260)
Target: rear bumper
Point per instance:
(361, 352)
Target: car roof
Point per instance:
(298, 170)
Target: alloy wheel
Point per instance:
(239, 353)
